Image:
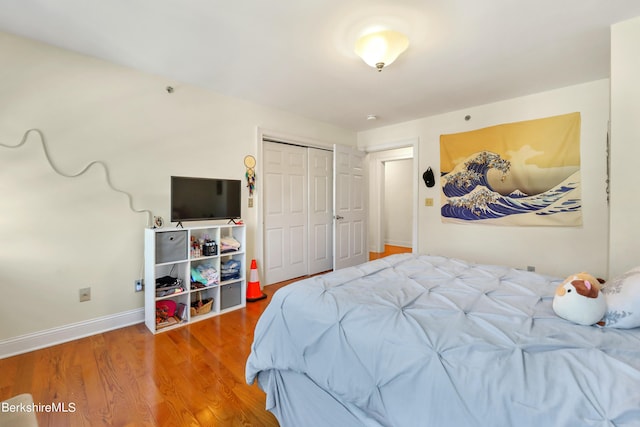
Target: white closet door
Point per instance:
(350, 201)
(320, 210)
(285, 212)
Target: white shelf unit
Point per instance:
(167, 252)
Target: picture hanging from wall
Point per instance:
(515, 174)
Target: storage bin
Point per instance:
(171, 246)
(230, 295)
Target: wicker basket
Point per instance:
(201, 306)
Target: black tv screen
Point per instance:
(200, 199)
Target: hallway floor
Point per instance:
(389, 250)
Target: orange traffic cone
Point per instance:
(253, 287)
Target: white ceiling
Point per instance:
(297, 55)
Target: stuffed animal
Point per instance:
(579, 300)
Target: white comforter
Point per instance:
(418, 340)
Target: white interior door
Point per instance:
(350, 206)
(285, 212)
(320, 210)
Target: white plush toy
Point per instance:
(579, 300)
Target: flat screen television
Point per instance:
(201, 199)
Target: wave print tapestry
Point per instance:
(515, 174)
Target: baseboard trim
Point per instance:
(398, 243)
(50, 337)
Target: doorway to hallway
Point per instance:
(393, 198)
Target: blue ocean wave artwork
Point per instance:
(470, 196)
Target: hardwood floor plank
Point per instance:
(389, 250)
(190, 376)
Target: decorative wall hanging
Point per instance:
(525, 173)
(250, 174)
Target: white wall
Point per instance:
(552, 250)
(398, 203)
(59, 234)
(625, 146)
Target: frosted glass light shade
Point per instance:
(382, 48)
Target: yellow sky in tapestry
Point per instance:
(540, 135)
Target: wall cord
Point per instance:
(45, 148)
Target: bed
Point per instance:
(416, 340)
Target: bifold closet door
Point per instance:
(285, 212)
(320, 210)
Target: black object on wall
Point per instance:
(429, 179)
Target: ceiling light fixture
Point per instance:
(381, 48)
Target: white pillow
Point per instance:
(622, 295)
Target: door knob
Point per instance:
(338, 217)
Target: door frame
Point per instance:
(283, 138)
(376, 180)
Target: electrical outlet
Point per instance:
(85, 294)
(428, 201)
(138, 285)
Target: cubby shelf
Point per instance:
(168, 253)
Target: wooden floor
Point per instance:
(389, 250)
(190, 376)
